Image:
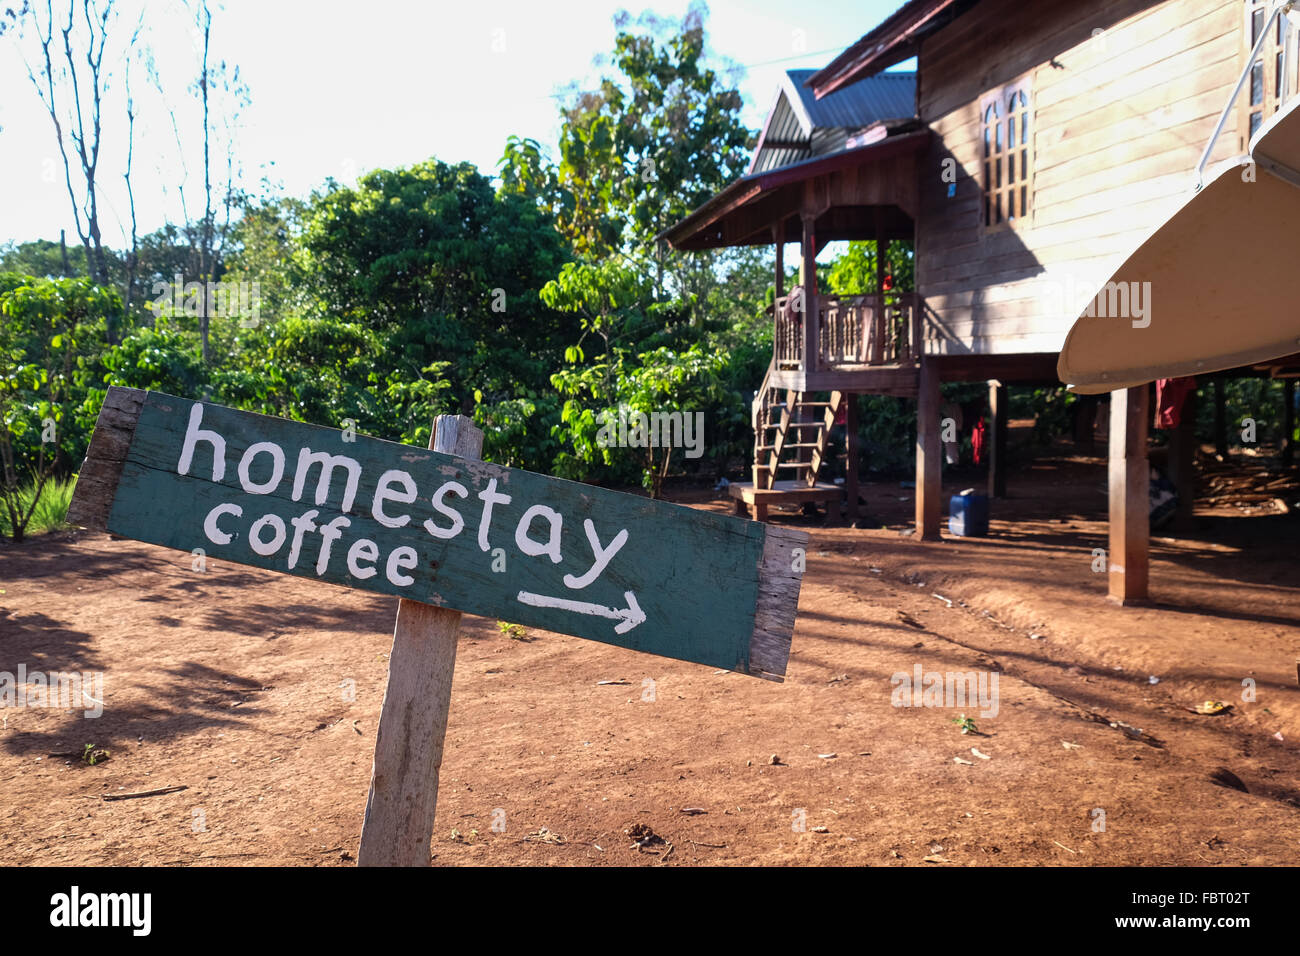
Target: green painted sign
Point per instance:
(325, 504)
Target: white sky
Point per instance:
(338, 88)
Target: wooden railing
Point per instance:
(851, 331)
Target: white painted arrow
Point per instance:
(628, 617)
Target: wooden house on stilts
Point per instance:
(1041, 144)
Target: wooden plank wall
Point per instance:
(1118, 123)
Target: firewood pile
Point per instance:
(1250, 487)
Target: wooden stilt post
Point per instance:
(996, 439)
(1182, 464)
(1288, 423)
(882, 251)
(1220, 420)
(852, 452)
(1130, 503)
(928, 484)
(413, 721)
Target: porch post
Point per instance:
(878, 333)
(1130, 506)
(996, 439)
(851, 449)
(882, 247)
(808, 279)
(778, 238)
(928, 485)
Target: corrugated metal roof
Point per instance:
(796, 115)
(884, 96)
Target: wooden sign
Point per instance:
(442, 530)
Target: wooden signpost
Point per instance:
(446, 533)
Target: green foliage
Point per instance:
(1260, 399)
(887, 427)
(656, 140)
(43, 258)
(516, 632)
(601, 395)
(442, 273)
(526, 170)
(161, 358)
(50, 335)
(1050, 408)
(854, 271)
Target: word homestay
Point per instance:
(394, 492)
(462, 534)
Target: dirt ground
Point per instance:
(235, 683)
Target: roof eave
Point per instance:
(749, 187)
(895, 39)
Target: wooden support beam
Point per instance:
(808, 279)
(996, 439)
(882, 248)
(1182, 464)
(1288, 422)
(413, 718)
(852, 451)
(1130, 503)
(1220, 420)
(779, 241)
(928, 483)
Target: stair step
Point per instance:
(803, 444)
(794, 464)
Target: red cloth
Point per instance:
(977, 441)
(1171, 399)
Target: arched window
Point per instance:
(1007, 159)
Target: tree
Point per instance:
(221, 95)
(444, 269)
(70, 79)
(651, 144)
(645, 365)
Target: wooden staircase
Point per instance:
(791, 434)
(791, 431)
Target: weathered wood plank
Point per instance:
(403, 797)
(778, 600)
(97, 481)
(1130, 503)
(928, 483)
